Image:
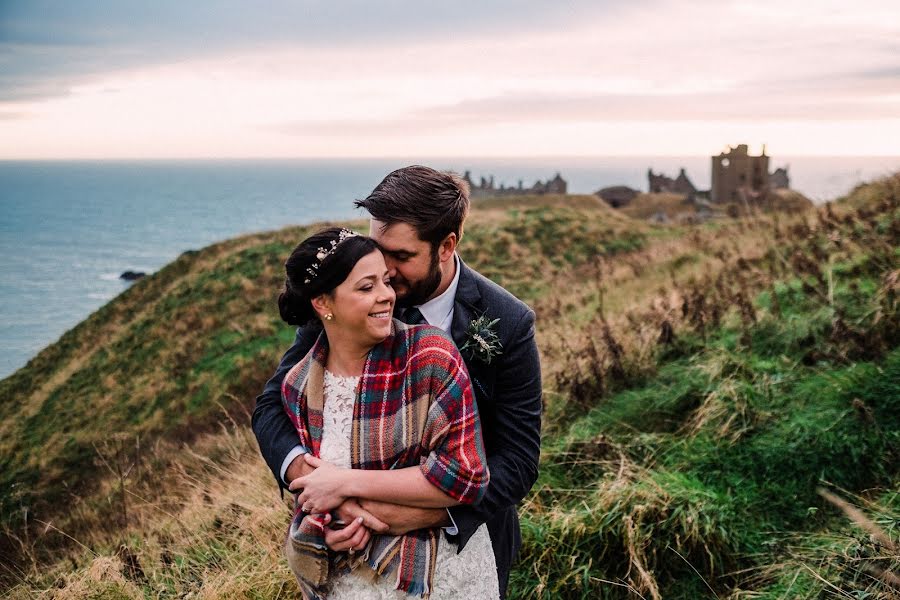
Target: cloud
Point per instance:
(47, 47)
(306, 76)
(749, 103)
(889, 73)
(419, 125)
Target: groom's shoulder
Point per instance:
(498, 299)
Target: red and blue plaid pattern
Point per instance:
(414, 407)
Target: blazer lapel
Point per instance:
(465, 305)
(468, 307)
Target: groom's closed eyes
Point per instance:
(400, 255)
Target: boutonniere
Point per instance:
(482, 341)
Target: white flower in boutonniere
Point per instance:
(482, 341)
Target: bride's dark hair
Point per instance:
(309, 276)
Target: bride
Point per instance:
(386, 412)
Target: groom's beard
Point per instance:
(419, 292)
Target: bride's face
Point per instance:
(362, 305)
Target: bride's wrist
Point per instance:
(349, 484)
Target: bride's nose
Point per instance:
(386, 293)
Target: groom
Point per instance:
(417, 217)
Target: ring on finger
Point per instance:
(352, 550)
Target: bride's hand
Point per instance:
(322, 489)
(352, 538)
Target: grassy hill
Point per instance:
(678, 208)
(701, 384)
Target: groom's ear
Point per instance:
(447, 247)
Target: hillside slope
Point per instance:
(700, 384)
(161, 361)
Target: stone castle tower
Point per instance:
(736, 171)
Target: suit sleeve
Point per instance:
(513, 461)
(274, 432)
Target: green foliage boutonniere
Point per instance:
(481, 340)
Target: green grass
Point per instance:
(717, 457)
(714, 499)
(678, 465)
(530, 246)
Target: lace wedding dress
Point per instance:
(469, 575)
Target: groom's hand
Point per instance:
(403, 519)
(350, 510)
(298, 468)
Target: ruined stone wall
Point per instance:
(486, 187)
(738, 170)
(662, 184)
(779, 179)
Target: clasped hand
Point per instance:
(321, 490)
(360, 524)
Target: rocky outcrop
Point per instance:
(617, 196)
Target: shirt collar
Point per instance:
(438, 308)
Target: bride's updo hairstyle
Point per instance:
(317, 265)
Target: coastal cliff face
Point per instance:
(701, 383)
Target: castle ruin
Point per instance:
(779, 179)
(485, 187)
(737, 175)
(661, 184)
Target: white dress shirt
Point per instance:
(439, 310)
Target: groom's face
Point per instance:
(412, 263)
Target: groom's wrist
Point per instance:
(297, 466)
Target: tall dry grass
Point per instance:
(207, 525)
(671, 355)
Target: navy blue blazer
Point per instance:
(508, 394)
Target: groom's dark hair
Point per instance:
(434, 203)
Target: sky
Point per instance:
(126, 79)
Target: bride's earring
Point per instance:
(328, 316)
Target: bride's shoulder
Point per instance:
(423, 341)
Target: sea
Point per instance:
(68, 229)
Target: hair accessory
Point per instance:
(324, 253)
(328, 316)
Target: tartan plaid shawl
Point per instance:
(414, 408)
